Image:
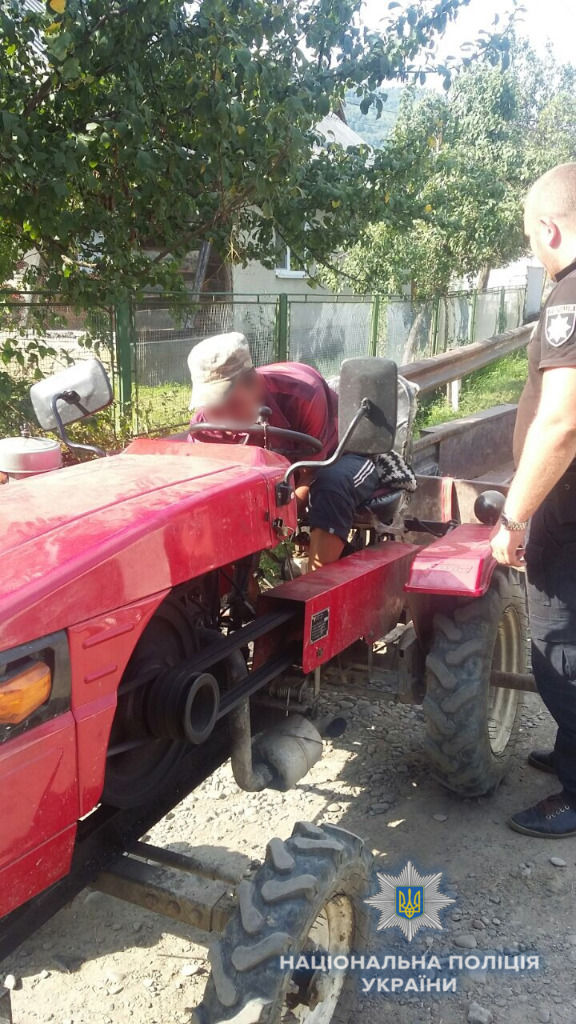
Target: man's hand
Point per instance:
(508, 546)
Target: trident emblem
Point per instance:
(409, 901)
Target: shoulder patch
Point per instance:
(560, 324)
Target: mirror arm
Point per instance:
(72, 399)
(285, 490)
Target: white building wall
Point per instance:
(257, 279)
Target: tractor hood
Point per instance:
(96, 536)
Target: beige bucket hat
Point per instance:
(214, 365)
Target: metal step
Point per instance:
(174, 885)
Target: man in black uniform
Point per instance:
(544, 493)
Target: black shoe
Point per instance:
(552, 818)
(543, 760)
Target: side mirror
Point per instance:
(376, 380)
(68, 396)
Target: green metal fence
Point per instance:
(41, 334)
(313, 328)
(145, 343)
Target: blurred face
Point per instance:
(241, 404)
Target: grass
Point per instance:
(163, 406)
(498, 384)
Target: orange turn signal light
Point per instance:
(24, 692)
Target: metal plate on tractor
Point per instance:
(319, 625)
(359, 596)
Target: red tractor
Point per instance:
(131, 668)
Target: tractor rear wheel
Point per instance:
(472, 726)
(307, 898)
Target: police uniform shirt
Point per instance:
(553, 344)
(554, 341)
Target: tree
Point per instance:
(478, 150)
(549, 108)
(127, 125)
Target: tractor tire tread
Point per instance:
(276, 909)
(457, 689)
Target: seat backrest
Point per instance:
(377, 380)
(407, 409)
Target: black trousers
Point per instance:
(338, 490)
(551, 568)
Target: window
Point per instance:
(287, 263)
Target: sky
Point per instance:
(543, 19)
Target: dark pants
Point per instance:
(551, 565)
(338, 490)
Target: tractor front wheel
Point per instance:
(307, 898)
(472, 726)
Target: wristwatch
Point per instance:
(511, 524)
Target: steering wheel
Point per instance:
(307, 442)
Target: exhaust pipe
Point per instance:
(250, 777)
(183, 705)
(278, 758)
(289, 751)
(332, 726)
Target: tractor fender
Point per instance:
(458, 565)
(455, 569)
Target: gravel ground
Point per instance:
(101, 961)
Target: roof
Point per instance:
(335, 130)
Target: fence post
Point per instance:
(125, 348)
(502, 312)
(435, 326)
(282, 329)
(375, 325)
(454, 392)
(473, 315)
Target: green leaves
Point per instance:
(9, 121)
(133, 128)
(70, 69)
(476, 152)
(57, 46)
(244, 57)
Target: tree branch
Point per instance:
(44, 91)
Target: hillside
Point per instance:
(372, 129)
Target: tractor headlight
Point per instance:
(34, 684)
(24, 690)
